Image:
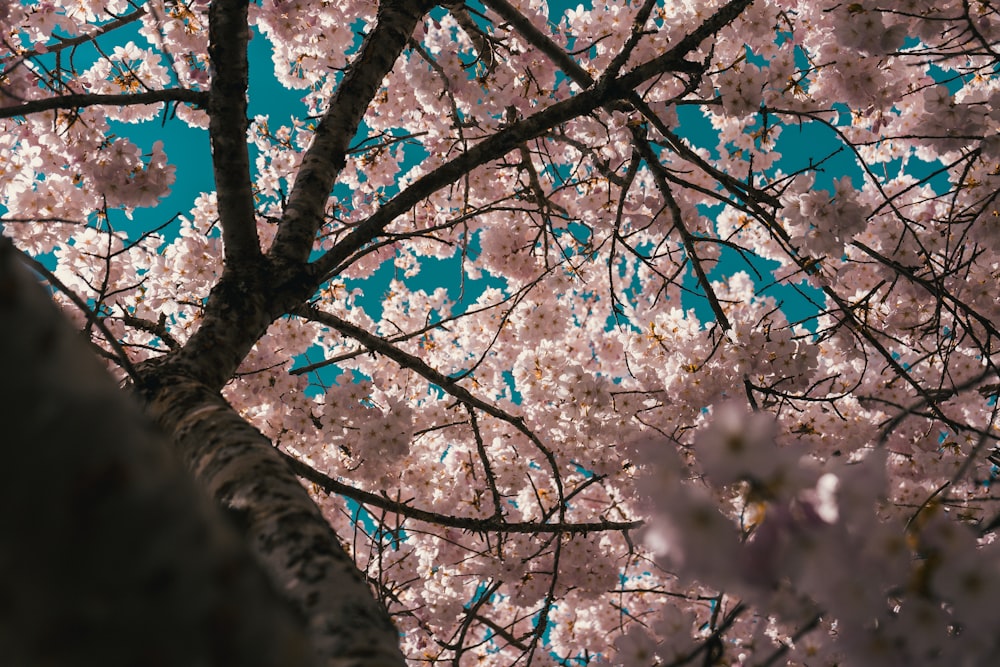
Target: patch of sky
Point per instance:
(693, 297)
(558, 8)
(800, 302)
(991, 478)
(323, 376)
(810, 145)
(435, 272)
(484, 593)
(187, 149)
(817, 147)
(696, 128)
(951, 80)
(387, 537)
(515, 395)
(359, 515)
(933, 174)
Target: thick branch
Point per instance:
(82, 100)
(288, 534)
(480, 39)
(228, 33)
(326, 156)
(523, 26)
(240, 308)
(638, 30)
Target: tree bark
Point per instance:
(109, 552)
(286, 531)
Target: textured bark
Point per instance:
(247, 299)
(228, 33)
(283, 526)
(110, 554)
(327, 154)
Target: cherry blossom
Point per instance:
(644, 333)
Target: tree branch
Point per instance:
(83, 100)
(69, 42)
(120, 357)
(540, 41)
(485, 151)
(228, 33)
(491, 524)
(688, 239)
(449, 385)
(326, 157)
(582, 78)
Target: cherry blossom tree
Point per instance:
(636, 393)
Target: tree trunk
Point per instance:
(285, 530)
(110, 554)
